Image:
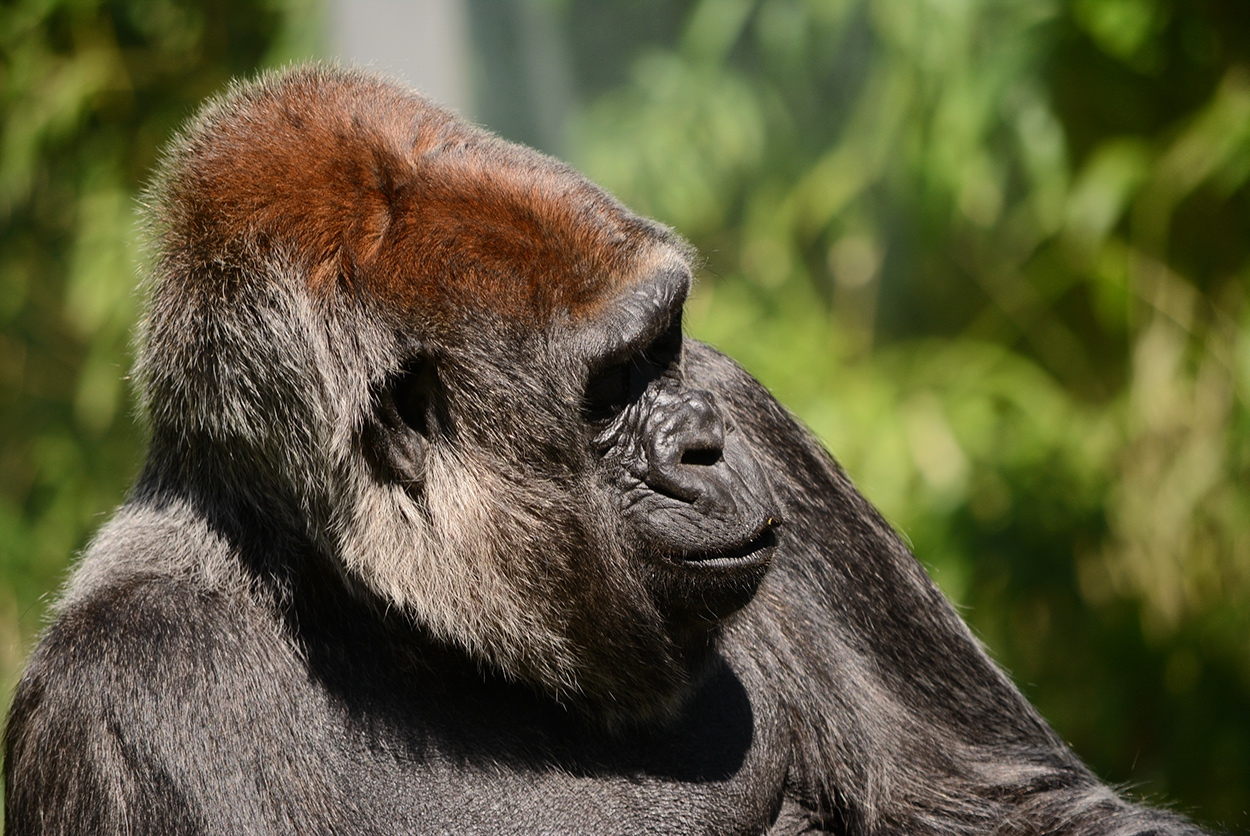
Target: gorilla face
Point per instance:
(577, 469)
(697, 507)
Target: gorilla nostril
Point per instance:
(706, 456)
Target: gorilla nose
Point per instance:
(687, 436)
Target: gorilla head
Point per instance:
(457, 368)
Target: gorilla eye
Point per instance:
(608, 391)
(611, 388)
(666, 348)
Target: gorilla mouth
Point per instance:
(757, 552)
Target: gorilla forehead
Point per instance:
(372, 189)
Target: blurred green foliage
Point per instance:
(995, 253)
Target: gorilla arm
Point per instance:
(897, 717)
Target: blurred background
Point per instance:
(996, 253)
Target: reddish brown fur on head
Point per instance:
(374, 189)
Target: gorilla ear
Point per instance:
(413, 394)
(406, 416)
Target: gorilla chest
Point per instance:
(509, 767)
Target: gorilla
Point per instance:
(446, 527)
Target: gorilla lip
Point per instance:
(757, 552)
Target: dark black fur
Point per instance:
(219, 666)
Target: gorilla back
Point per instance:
(447, 528)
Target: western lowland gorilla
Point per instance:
(446, 528)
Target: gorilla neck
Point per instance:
(231, 480)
